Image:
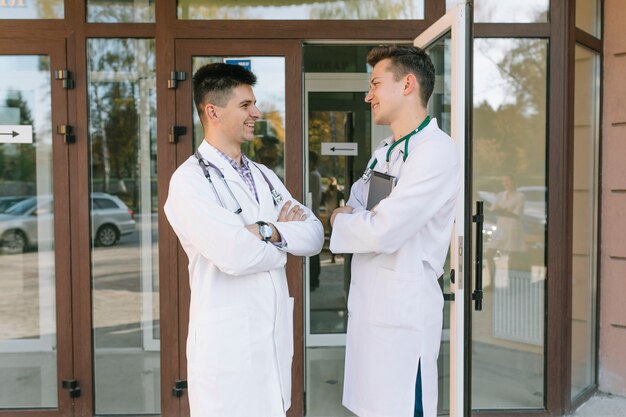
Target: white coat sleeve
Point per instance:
(214, 232)
(429, 179)
(303, 238)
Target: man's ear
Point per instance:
(210, 112)
(410, 84)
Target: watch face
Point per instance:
(266, 231)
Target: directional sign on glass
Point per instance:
(340, 148)
(16, 134)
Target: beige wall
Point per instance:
(612, 375)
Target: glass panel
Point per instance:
(439, 107)
(509, 157)
(300, 9)
(341, 117)
(588, 17)
(31, 9)
(125, 281)
(268, 146)
(28, 341)
(585, 206)
(120, 11)
(508, 11)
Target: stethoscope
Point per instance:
(207, 165)
(368, 172)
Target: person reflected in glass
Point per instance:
(315, 187)
(236, 222)
(332, 198)
(508, 237)
(400, 244)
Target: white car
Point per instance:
(30, 222)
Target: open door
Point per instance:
(448, 44)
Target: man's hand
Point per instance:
(344, 209)
(296, 214)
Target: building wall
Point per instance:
(612, 366)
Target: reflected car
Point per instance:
(7, 202)
(30, 222)
(534, 219)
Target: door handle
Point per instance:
(478, 218)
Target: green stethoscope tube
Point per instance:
(368, 172)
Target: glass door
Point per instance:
(340, 135)
(35, 295)
(277, 145)
(446, 42)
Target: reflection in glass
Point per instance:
(299, 10)
(508, 11)
(31, 9)
(588, 17)
(268, 146)
(509, 162)
(584, 220)
(122, 137)
(28, 341)
(335, 58)
(120, 11)
(333, 117)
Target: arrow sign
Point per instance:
(340, 148)
(16, 134)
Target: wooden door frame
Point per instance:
(55, 48)
(291, 50)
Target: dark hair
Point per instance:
(407, 59)
(213, 83)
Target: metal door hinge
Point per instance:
(67, 132)
(175, 77)
(175, 132)
(65, 76)
(179, 387)
(72, 386)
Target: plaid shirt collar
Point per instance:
(243, 170)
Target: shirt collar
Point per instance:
(245, 165)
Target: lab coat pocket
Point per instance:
(223, 341)
(396, 299)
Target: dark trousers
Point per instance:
(419, 408)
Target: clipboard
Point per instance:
(381, 186)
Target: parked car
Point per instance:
(30, 222)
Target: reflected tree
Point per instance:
(511, 138)
(121, 77)
(362, 10)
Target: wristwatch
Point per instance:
(265, 230)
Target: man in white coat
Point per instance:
(236, 222)
(395, 306)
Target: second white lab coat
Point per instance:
(395, 302)
(240, 336)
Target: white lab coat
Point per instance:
(240, 338)
(395, 303)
